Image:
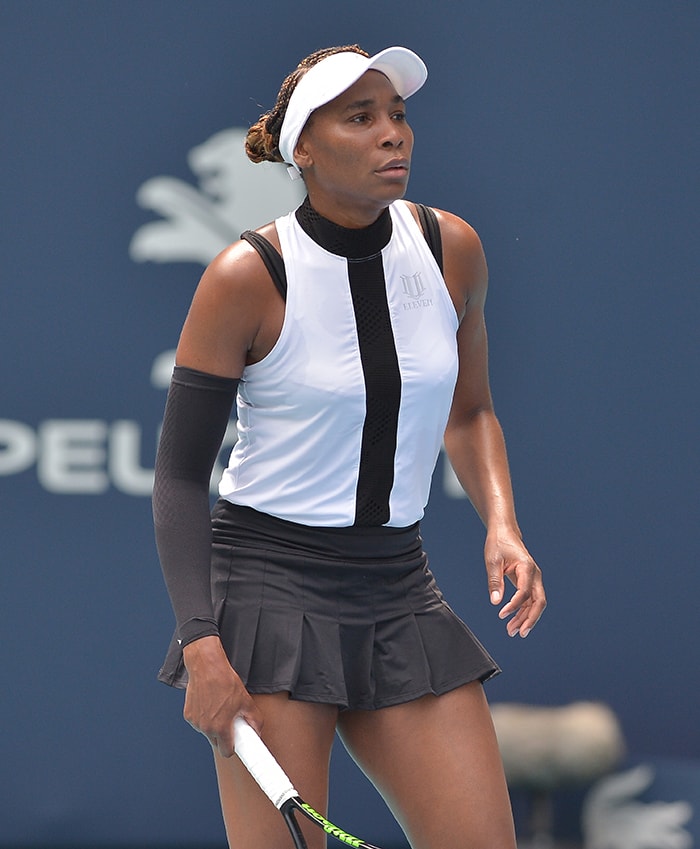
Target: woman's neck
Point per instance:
(350, 242)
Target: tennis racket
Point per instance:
(275, 784)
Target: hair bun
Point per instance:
(260, 146)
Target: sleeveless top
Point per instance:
(342, 422)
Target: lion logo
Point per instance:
(233, 195)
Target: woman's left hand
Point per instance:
(506, 556)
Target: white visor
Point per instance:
(332, 76)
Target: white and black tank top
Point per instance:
(342, 422)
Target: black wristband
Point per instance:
(196, 416)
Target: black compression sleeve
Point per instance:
(196, 416)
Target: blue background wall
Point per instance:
(568, 134)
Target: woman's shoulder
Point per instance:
(458, 236)
(235, 314)
(456, 233)
(464, 263)
(239, 266)
(452, 227)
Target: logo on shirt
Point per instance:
(414, 288)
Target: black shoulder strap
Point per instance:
(272, 259)
(431, 231)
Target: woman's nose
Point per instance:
(392, 135)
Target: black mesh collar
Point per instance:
(345, 241)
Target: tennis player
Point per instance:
(350, 334)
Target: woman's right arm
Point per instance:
(230, 322)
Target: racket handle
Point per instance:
(260, 763)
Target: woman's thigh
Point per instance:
(436, 762)
(300, 736)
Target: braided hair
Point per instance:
(262, 141)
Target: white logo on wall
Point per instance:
(614, 818)
(234, 195)
(90, 456)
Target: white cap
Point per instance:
(335, 74)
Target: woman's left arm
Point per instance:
(474, 440)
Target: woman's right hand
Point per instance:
(215, 694)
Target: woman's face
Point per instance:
(355, 152)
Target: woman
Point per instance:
(350, 360)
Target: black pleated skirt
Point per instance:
(344, 616)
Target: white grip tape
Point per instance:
(260, 763)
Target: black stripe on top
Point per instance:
(362, 249)
(380, 366)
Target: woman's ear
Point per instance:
(302, 154)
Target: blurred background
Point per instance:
(568, 135)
